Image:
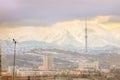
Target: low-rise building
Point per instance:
(88, 66)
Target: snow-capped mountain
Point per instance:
(72, 34)
(69, 36)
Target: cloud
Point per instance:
(47, 12)
(100, 23)
(100, 32)
(114, 19)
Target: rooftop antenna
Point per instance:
(86, 36)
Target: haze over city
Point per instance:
(59, 39)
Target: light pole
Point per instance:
(14, 42)
(0, 62)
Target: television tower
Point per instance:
(86, 36)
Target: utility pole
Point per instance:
(86, 36)
(14, 42)
(0, 62)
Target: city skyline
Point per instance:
(60, 39)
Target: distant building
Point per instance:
(10, 70)
(27, 72)
(104, 68)
(48, 62)
(80, 79)
(4, 72)
(115, 67)
(88, 66)
(41, 67)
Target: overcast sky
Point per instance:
(47, 12)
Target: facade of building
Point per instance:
(48, 62)
(88, 66)
(10, 70)
(34, 72)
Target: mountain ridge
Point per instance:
(7, 47)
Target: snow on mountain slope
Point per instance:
(70, 34)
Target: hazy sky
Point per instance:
(45, 12)
(16, 15)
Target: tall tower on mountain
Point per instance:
(86, 36)
(0, 62)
